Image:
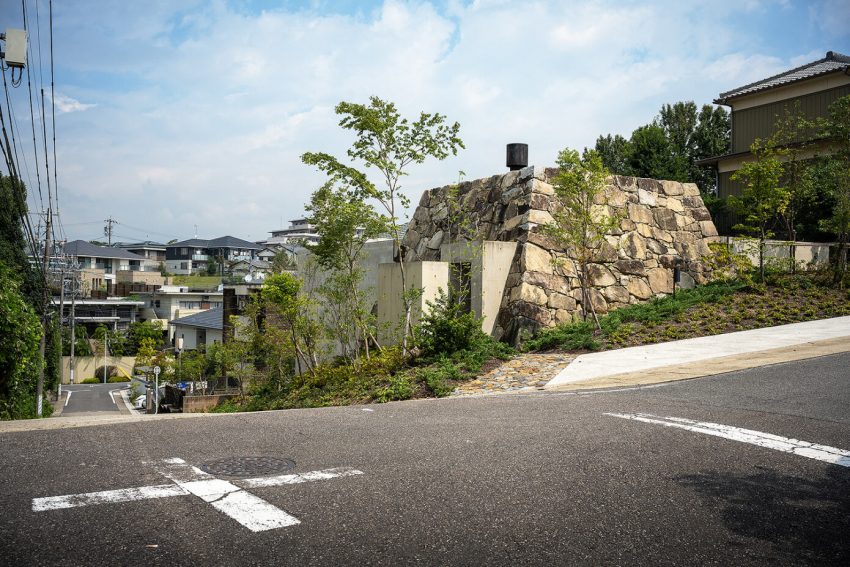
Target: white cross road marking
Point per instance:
(823, 453)
(227, 497)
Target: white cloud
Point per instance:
(203, 111)
(67, 104)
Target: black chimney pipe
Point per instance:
(517, 156)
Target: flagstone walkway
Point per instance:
(526, 371)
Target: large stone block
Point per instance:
(707, 228)
(660, 280)
(529, 293)
(647, 198)
(600, 276)
(561, 301)
(630, 266)
(665, 219)
(436, 240)
(639, 289)
(633, 246)
(536, 259)
(672, 188)
(549, 282)
(640, 214)
(616, 294)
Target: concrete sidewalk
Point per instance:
(704, 356)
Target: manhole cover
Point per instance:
(248, 466)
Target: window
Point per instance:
(184, 251)
(184, 265)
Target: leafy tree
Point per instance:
(212, 267)
(390, 144)
(614, 152)
(763, 198)
(283, 301)
(679, 121)
(345, 222)
(580, 225)
(20, 333)
(141, 330)
(282, 261)
(836, 129)
(792, 136)
(712, 137)
(651, 154)
(82, 347)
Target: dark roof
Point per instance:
(209, 319)
(83, 248)
(220, 242)
(831, 63)
(145, 244)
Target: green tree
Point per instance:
(763, 197)
(390, 144)
(836, 129)
(792, 137)
(651, 154)
(580, 224)
(345, 222)
(286, 306)
(141, 330)
(712, 137)
(82, 347)
(614, 152)
(679, 122)
(282, 261)
(13, 248)
(212, 267)
(20, 333)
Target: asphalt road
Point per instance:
(544, 478)
(88, 398)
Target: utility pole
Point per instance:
(73, 319)
(107, 230)
(39, 388)
(105, 352)
(61, 320)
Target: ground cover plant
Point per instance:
(720, 307)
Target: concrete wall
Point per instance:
(430, 277)
(136, 276)
(491, 263)
(806, 254)
(85, 366)
(190, 336)
(197, 404)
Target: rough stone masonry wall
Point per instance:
(663, 223)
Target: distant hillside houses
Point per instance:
(193, 256)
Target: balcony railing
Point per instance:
(200, 257)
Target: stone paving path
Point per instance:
(527, 371)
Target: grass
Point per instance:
(198, 282)
(706, 310)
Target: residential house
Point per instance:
(755, 108)
(192, 256)
(200, 329)
(170, 302)
(114, 313)
(300, 230)
(101, 265)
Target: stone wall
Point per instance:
(663, 224)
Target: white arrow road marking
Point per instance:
(785, 444)
(249, 510)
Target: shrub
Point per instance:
(91, 380)
(117, 379)
(400, 387)
(445, 329)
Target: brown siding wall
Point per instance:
(758, 122)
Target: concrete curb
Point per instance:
(708, 367)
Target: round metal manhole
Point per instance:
(248, 466)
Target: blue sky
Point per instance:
(174, 114)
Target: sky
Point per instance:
(183, 118)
